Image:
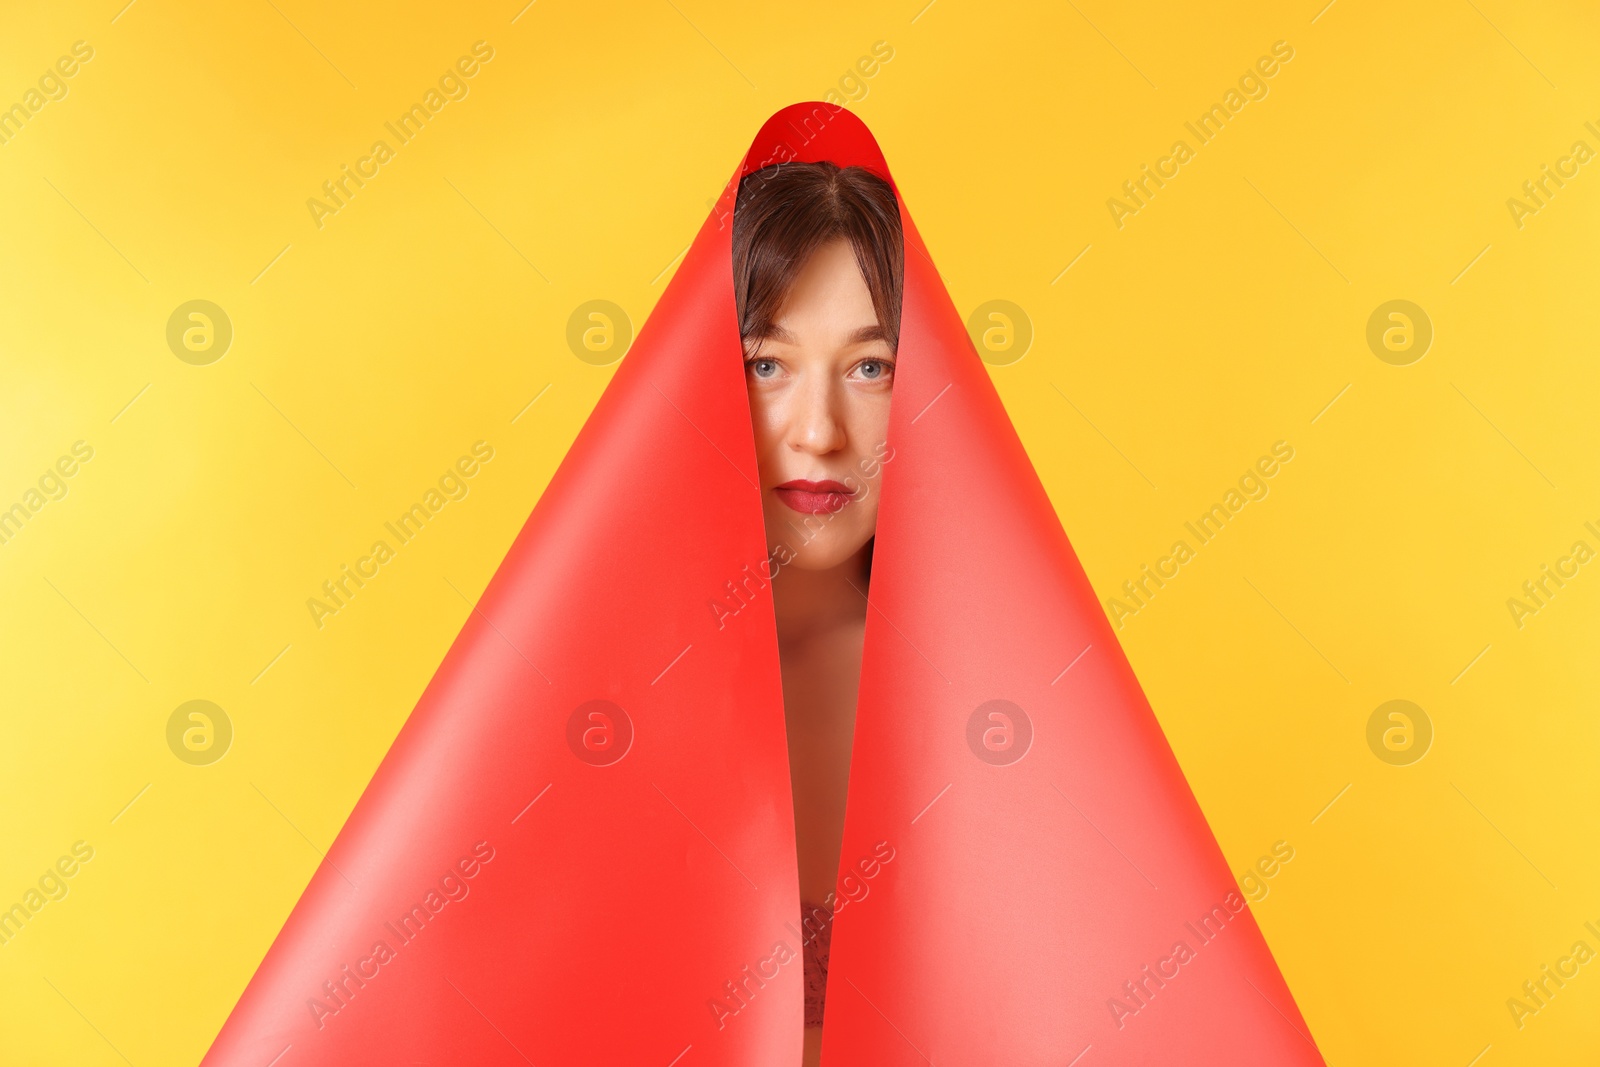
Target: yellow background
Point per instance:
(430, 311)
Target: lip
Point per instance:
(814, 498)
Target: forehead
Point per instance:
(829, 295)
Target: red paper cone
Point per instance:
(580, 849)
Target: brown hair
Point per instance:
(786, 212)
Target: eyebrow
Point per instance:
(875, 332)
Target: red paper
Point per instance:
(594, 787)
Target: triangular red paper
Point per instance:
(580, 849)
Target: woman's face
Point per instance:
(820, 385)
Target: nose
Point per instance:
(816, 423)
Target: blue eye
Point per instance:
(762, 368)
(875, 370)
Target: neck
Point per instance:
(810, 602)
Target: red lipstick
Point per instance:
(814, 498)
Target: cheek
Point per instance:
(867, 517)
(865, 478)
(867, 419)
(868, 429)
(766, 422)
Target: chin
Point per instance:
(826, 554)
